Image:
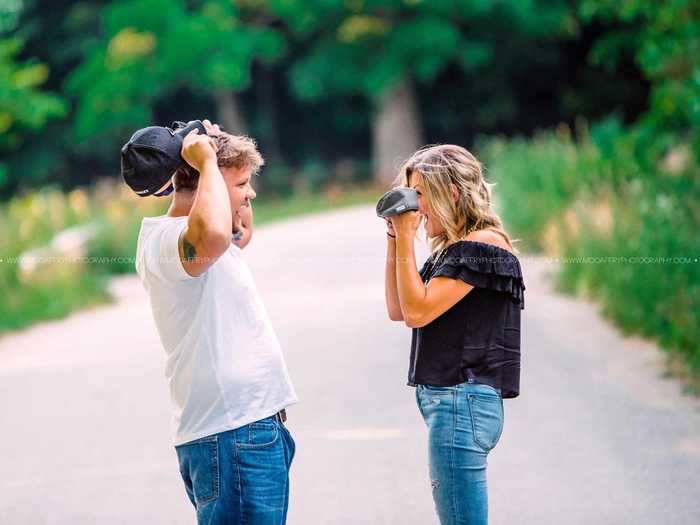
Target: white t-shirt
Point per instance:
(224, 365)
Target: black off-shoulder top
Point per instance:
(478, 339)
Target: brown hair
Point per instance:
(234, 151)
(440, 167)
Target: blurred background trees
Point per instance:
(317, 82)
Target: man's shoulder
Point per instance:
(152, 233)
(160, 220)
(159, 223)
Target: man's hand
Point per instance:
(198, 149)
(212, 129)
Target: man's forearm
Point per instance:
(211, 213)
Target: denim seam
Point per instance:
(239, 482)
(218, 468)
(420, 405)
(503, 416)
(287, 446)
(215, 466)
(471, 416)
(250, 446)
(453, 503)
(291, 443)
(474, 398)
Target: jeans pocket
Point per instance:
(199, 468)
(291, 444)
(261, 434)
(486, 412)
(418, 404)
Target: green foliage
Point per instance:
(151, 48)
(24, 107)
(665, 40)
(366, 47)
(623, 233)
(547, 171)
(476, 65)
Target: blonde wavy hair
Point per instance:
(440, 167)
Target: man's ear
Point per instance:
(455, 192)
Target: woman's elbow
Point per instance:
(395, 315)
(414, 321)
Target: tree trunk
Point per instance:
(267, 104)
(228, 113)
(395, 131)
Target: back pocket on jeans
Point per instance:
(199, 468)
(486, 412)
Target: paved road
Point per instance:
(597, 436)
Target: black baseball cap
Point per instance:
(152, 155)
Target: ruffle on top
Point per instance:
(482, 265)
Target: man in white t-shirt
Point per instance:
(227, 376)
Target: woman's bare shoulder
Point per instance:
(488, 237)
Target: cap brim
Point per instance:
(166, 191)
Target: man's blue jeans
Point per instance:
(239, 476)
(464, 424)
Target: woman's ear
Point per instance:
(455, 192)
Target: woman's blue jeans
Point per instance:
(464, 424)
(241, 475)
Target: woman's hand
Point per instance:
(406, 224)
(390, 227)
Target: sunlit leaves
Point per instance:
(358, 27)
(664, 38)
(22, 102)
(153, 47)
(365, 47)
(127, 44)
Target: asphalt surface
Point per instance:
(598, 435)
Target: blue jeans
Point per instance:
(241, 475)
(464, 424)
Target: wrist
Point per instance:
(405, 236)
(208, 164)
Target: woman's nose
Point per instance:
(252, 194)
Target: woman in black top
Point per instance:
(464, 308)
